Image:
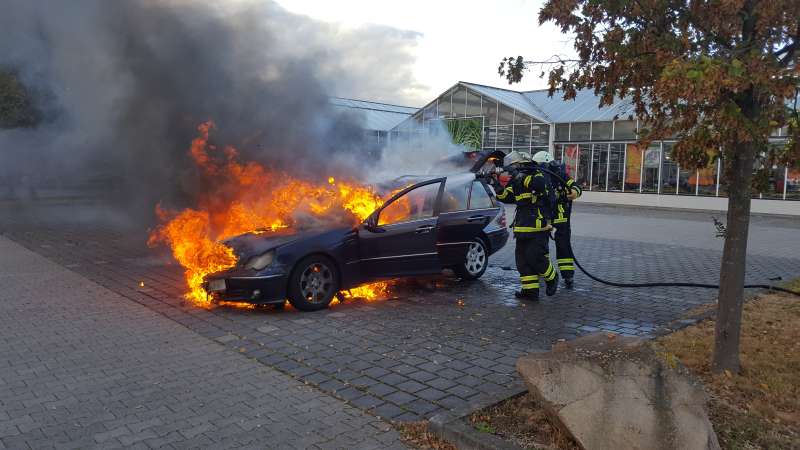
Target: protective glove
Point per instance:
(494, 182)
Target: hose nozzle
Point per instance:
(486, 173)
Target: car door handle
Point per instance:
(476, 218)
(424, 229)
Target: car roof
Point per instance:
(407, 180)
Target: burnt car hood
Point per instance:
(251, 244)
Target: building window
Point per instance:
(599, 169)
(504, 133)
(459, 102)
(706, 180)
(558, 152)
(473, 105)
(506, 115)
(687, 181)
(522, 137)
(616, 164)
(445, 109)
(774, 183)
(584, 166)
(652, 164)
(430, 111)
(579, 131)
(633, 167)
(669, 170)
(562, 131)
(489, 113)
(570, 160)
(625, 130)
(540, 135)
(601, 131)
(792, 183)
(489, 137)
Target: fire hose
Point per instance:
(643, 285)
(671, 284)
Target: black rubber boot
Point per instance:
(531, 296)
(552, 286)
(569, 283)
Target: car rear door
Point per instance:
(400, 239)
(459, 221)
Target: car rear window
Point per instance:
(480, 198)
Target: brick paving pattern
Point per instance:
(423, 351)
(82, 367)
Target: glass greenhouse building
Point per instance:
(598, 145)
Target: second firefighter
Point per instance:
(566, 190)
(528, 189)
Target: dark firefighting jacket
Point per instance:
(528, 190)
(563, 208)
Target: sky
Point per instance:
(457, 40)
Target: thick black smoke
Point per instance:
(122, 86)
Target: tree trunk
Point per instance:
(731, 277)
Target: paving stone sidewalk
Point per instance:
(82, 367)
(439, 344)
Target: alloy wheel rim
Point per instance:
(476, 258)
(316, 282)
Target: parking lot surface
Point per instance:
(82, 367)
(438, 343)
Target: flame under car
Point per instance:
(449, 222)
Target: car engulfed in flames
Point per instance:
(261, 237)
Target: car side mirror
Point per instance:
(374, 229)
(371, 224)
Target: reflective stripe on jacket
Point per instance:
(527, 191)
(564, 205)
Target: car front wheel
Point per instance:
(313, 283)
(476, 261)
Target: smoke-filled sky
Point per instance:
(123, 85)
(457, 39)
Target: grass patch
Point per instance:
(793, 285)
(759, 408)
(522, 421)
(418, 435)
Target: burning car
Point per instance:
(434, 223)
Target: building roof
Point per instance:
(510, 98)
(583, 108)
(375, 116)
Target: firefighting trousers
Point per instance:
(564, 257)
(533, 261)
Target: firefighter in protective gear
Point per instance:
(566, 190)
(527, 189)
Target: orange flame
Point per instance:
(249, 198)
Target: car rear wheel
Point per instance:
(313, 283)
(476, 262)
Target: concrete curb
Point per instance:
(453, 426)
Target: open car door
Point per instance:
(460, 221)
(400, 238)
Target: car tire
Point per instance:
(476, 263)
(313, 284)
